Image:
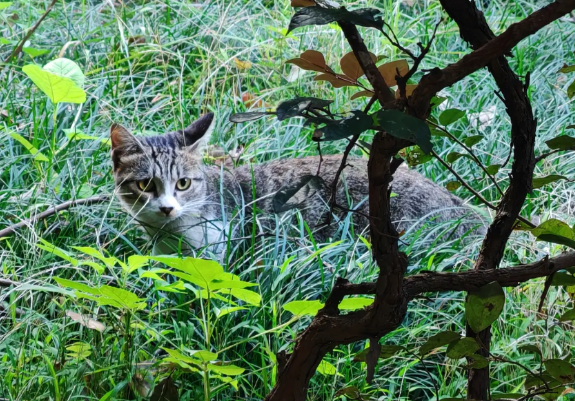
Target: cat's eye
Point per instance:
(145, 185)
(183, 184)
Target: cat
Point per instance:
(185, 204)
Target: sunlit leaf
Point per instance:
(53, 249)
(108, 261)
(228, 370)
(66, 68)
(29, 147)
(326, 368)
(248, 296)
(355, 303)
(58, 89)
(5, 4)
(79, 350)
(32, 52)
(484, 305)
(303, 308)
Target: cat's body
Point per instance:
(183, 203)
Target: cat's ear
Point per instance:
(121, 137)
(198, 133)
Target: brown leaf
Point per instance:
(389, 71)
(86, 321)
(338, 81)
(302, 3)
(408, 91)
(316, 58)
(242, 65)
(350, 66)
(166, 390)
(361, 94)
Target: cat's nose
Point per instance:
(166, 210)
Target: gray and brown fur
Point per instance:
(203, 214)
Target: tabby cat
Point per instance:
(183, 203)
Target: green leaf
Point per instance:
(29, 147)
(227, 310)
(200, 272)
(439, 340)
(436, 101)
(303, 308)
(541, 181)
(58, 89)
(404, 126)
(450, 116)
(4, 41)
(344, 128)
(493, 169)
(110, 262)
(79, 350)
(66, 68)
(452, 185)
(484, 305)
(135, 262)
(221, 284)
(53, 249)
(295, 107)
(228, 370)
(562, 142)
(530, 348)
(76, 134)
(176, 355)
(560, 370)
(249, 116)
(539, 382)
(326, 368)
(571, 90)
(34, 52)
(562, 279)
(555, 231)
(472, 140)
(466, 346)
(120, 298)
(293, 195)
(355, 303)
(416, 156)
(437, 132)
(568, 316)
(567, 68)
(454, 156)
(508, 396)
(205, 356)
(479, 362)
(77, 286)
(367, 17)
(5, 4)
(250, 297)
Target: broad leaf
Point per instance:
(303, 308)
(311, 60)
(562, 279)
(439, 340)
(205, 356)
(344, 128)
(295, 107)
(541, 181)
(563, 142)
(567, 68)
(350, 66)
(5, 4)
(493, 169)
(293, 195)
(450, 116)
(560, 370)
(355, 303)
(77, 286)
(337, 80)
(389, 71)
(110, 262)
(479, 362)
(32, 52)
(249, 116)
(29, 147)
(66, 68)
(472, 140)
(79, 350)
(200, 272)
(120, 298)
(361, 94)
(568, 316)
(454, 156)
(452, 185)
(51, 248)
(404, 126)
(555, 231)
(58, 89)
(484, 305)
(250, 297)
(367, 17)
(228, 370)
(326, 368)
(436, 101)
(466, 346)
(415, 156)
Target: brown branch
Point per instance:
(56, 209)
(438, 79)
(31, 31)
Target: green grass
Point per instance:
(185, 67)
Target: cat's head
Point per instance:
(159, 178)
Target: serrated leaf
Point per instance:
(555, 231)
(228, 370)
(484, 305)
(344, 128)
(367, 17)
(293, 195)
(32, 52)
(303, 308)
(58, 89)
(249, 116)
(562, 279)
(361, 94)
(560, 370)
(389, 71)
(466, 346)
(541, 181)
(165, 390)
(452, 185)
(29, 147)
(205, 356)
(472, 140)
(562, 142)
(450, 116)
(355, 303)
(439, 340)
(493, 169)
(294, 107)
(66, 68)
(404, 126)
(350, 66)
(454, 156)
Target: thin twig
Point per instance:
(47, 213)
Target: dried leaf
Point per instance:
(350, 66)
(361, 94)
(242, 65)
(302, 3)
(86, 321)
(408, 91)
(390, 70)
(337, 80)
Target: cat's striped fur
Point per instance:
(204, 211)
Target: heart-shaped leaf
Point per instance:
(59, 89)
(484, 305)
